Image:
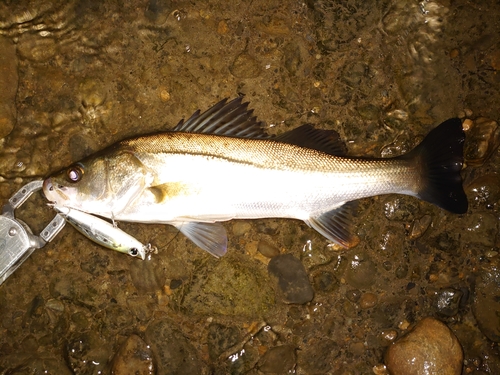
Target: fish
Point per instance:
(103, 232)
(221, 165)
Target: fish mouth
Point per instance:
(53, 192)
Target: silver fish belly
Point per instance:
(220, 165)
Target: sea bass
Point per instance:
(220, 165)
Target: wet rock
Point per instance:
(361, 271)
(400, 208)
(147, 276)
(97, 264)
(8, 83)
(354, 73)
(313, 255)
(220, 339)
(273, 26)
(158, 11)
(118, 317)
(484, 191)
(133, 358)
(278, 360)
(233, 287)
(92, 92)
(87, 353)
(486, 305)
(430, 348)
(388, 336)
(400, 146)
(267, 249)
(447, 301)
(483, 139)
(324, 281)
(141, 306)
(172, 351)
(245, 66)
(480, 228)
(339, 23)
(419, 226)
(241, 227)
(353, 295)
(55, 305)
(76, 289)
(369, 112)
(293, 280)
(390, 240)
(368, 300)
(445, 241)
(318, 356)
(37, 365)
(294, 56)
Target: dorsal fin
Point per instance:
(229, 119)
(327, 141)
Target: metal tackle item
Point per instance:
(17, 241)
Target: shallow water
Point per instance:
(80, 75)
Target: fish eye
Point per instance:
(134, 251)
(74, 174)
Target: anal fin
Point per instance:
(336, 225)
(210, 237)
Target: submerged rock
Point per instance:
(278, 360)
(133, 358)
(429, 349)
(293, 280)
(220, 339)
(245, 66)
(172, 351)
(234, 287)
(483, 139)
(447, 301)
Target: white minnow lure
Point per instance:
(103, 232)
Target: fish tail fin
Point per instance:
(440, 158)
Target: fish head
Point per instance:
(77, 185)
(103, 184)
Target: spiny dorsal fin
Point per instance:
(229, 119)
(327, 141)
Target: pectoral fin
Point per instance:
(210, 237)
(336, 225)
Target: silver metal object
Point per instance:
(17, 241)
